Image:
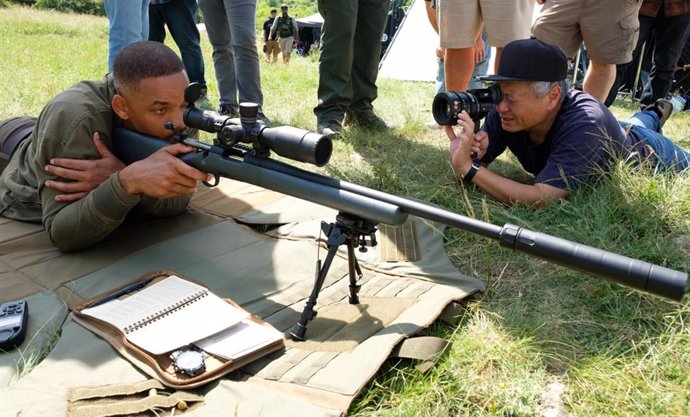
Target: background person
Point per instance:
(460, 24)
(664, 27)
(285, 28)
(557, 135)
(609, 30)
(180, 16)
(349, 64)
(231, 29)
(128, 22)
(271, 46)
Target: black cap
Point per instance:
(530, 60)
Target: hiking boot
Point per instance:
(228, 110)
(366, 120)
(330, 129)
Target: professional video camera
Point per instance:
(477, 103)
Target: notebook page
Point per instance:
(168, 314)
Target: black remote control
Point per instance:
(14, 317)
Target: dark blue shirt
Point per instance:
(584, 136)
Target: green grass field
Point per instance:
(541, 337)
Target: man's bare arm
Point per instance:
(507, 191)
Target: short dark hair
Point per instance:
(274, 10)
(141, 60)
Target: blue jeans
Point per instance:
(127, 23)
(231, 29)
(180, 15)
(667, 154)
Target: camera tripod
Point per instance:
(347, 230)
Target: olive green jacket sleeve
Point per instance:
(65, 129)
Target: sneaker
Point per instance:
(367, 120)
(678, 102)
(331, 128)
(228, 110)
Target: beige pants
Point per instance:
(609, 28)
(286, 47)
(272, 49)
(460, 21)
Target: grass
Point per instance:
(614, 351)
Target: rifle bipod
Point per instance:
(347, 230)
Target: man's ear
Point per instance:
(554, 96)
(120, 107)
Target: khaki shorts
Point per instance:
(609, 28)
(504, 21)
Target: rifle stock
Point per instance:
(380, 207)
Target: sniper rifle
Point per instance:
(241, 152)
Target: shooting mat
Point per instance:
(270, 275)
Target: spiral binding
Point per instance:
(166, 311)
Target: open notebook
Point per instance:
(175, 312)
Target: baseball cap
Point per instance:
(530, 60)
(283, 6)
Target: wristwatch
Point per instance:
(474, 168)
(189, 361)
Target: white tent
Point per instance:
(412, 53)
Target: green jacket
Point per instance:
(64, 129)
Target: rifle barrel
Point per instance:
(381, 207)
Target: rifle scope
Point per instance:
(290, 142)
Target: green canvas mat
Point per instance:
(269, 275)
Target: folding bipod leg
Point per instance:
(347, 230)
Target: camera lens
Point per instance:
(443, 108)
(477, 103)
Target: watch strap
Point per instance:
(474, 168)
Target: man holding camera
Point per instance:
(64, 173)
(557, 135)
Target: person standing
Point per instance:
(231, 29)
(128, 22)
(482, 54)
(667, 22)
(180, 16)
(609, 30)
(460, 24)
(285, 27)
(271, 47)
(349, 63)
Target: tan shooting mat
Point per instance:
(270, 275)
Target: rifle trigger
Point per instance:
(216, 181)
